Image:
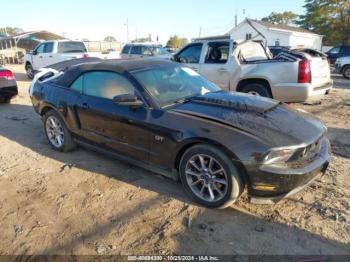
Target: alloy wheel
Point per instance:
(30, 71)
(206, 178)
(55, 131)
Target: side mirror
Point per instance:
(173, 58)
(34, 52)
(183, 60)
(128, 100)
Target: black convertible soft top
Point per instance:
(74, 68)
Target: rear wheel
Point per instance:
(30, 71)
(257, 89)
(346, 72)
(210, 177)
(57, 133)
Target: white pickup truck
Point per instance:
(249, 67)
(53, 52)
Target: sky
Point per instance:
(96, 19)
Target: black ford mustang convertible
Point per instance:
(167, 118)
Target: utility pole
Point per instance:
(127, 29)
(236, 20)
(200, 31)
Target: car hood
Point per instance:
(275, 123)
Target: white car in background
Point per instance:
(342, 66)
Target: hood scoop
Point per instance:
(244, 103)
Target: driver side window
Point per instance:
(335, 50)
(40, 49)
(191, 54)
(103, 84)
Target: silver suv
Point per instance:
(132, 51)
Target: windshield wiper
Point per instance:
(180, 101)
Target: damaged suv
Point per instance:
(167, 118)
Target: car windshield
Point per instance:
(173, 84)
(159, 51)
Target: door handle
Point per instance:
(85, 106)
(50, 56)
(40, 57)
(222, 70)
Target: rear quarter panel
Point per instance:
(48, 96)
(274, 72)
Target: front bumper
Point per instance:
(287, 182)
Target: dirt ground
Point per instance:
(86, 203)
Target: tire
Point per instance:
(57, 132)
(30, 71)
(196, 182)
(257, 89)
(346, 72)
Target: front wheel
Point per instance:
(57, 133)
(346, 72)
(30, 71)
(210, 177)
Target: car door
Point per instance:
(216, 65)
(37, 56)
(47, 56)
(136, 51)
(117, 127)
(333, 54)
(125, 52)
(345, 51)
(190, 56)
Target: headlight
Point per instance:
(279, 156)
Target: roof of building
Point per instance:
(283, 27)
(216, 37)
(42, 35)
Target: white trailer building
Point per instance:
(276, 34)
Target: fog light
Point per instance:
(265, 187)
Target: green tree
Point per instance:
(286, 18)
(176, 42)
(11, 30)
(330, 18)
(110, 39)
